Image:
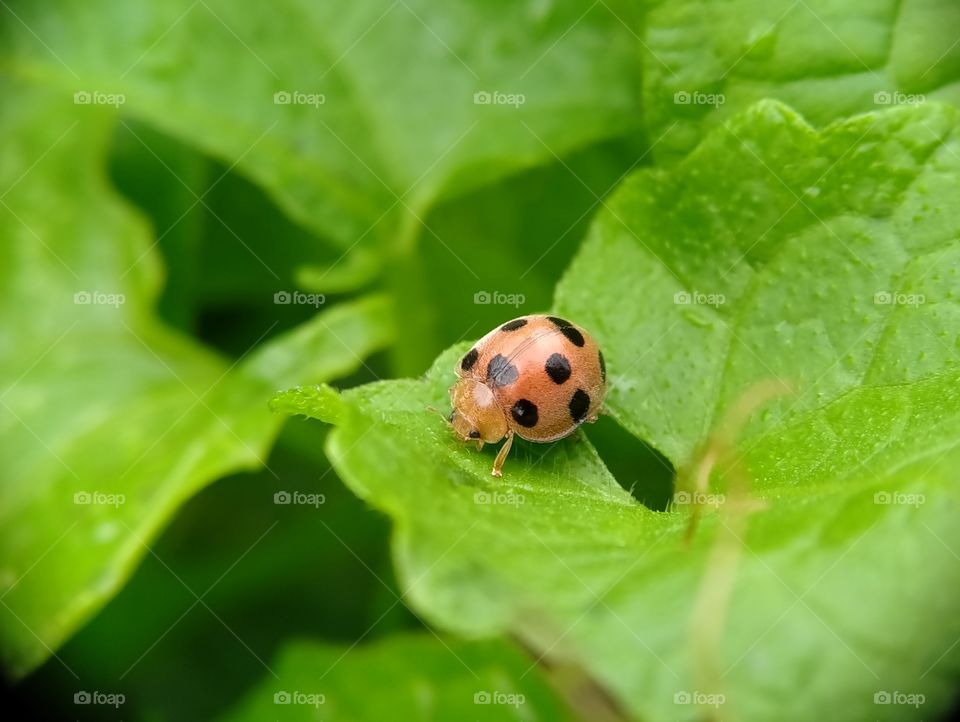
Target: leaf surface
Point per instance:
(829, 59)
(484, 681)
(355, 119)
(796, 234)
(108, 419)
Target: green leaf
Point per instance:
(793, 235)
(807, 242)
(269, 573)
(705, 62)
(450, 681)
(108, 419)
(829, 265)
(512, 241)
(353, 119)
(351, 272)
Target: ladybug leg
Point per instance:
(479, 444)
(502, 456)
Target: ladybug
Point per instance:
(538, 377)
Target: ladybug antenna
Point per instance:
(446, 417)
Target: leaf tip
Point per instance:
(320, 402)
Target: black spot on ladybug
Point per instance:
(576, 338)
(500, 372)
(525, 413)
(603, 367)
(474, 434)
(567, 329)
(558, 368)
(579, 405)
(470, 359)
(514, 325)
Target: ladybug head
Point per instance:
(476, 415)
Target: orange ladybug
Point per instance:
(538, 377)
